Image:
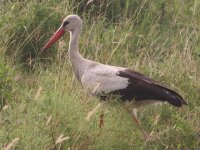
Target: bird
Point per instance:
(102, 80)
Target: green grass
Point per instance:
(41, 99)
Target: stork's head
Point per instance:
(70, 23)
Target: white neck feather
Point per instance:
(78, 62)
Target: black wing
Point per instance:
(144, 88)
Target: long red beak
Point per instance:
(59, 33)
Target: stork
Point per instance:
(103, 80)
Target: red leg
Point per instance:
(101, 120)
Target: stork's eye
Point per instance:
(65, 23)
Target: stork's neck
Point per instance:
(73, 43)
(79, 64)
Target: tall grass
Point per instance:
(43, 105)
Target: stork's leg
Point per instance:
(137, 122)
(133, 111)
(134, 116)
(101, 120)
(92, 112)
(101, 117)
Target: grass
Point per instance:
(44, 107)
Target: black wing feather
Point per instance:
(144, 88)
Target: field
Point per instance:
(43, 106)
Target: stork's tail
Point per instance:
(173, 98)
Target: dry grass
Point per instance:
(48, 108)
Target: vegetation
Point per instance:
(42, 105)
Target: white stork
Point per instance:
(102, 80)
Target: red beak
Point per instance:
(59, 33)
